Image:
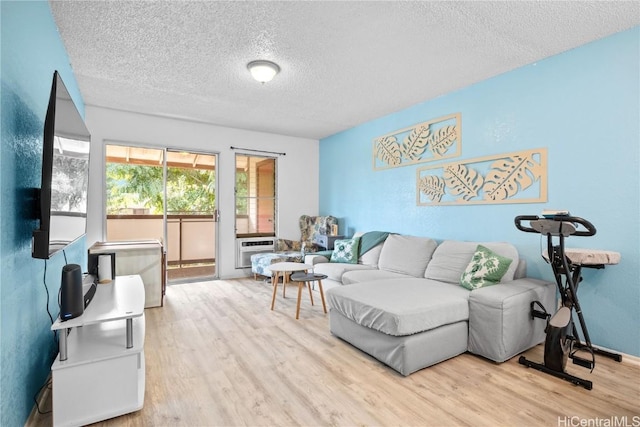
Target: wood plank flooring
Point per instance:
(217, 356)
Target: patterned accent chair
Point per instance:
(290, 250)
(310, 226)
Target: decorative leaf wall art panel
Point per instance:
(519, 177)
(428, 141)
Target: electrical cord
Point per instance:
(35, 398)
(46, 288)
(55, 334)
(44, 281)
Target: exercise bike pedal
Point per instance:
(585, 363)
(540, 314)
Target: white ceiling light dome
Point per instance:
(262, 70)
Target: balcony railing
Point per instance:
(191, 239)
(190, 242)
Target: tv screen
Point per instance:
(62, 204)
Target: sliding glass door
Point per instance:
(166, 195)
(191, 214)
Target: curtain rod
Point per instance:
(258, 151)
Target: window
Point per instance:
(255, 196)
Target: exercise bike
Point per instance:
(562, 340)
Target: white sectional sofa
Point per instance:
(403, 304)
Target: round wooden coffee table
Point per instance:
(281, 269)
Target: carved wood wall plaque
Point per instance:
(519, 177)
(428, 141)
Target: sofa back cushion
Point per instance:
(371, 257)
(406, 254)
(451, 258)
(372, 254)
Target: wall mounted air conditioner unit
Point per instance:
(245, 247)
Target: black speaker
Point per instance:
(71, 298)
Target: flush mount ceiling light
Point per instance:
(263, 71)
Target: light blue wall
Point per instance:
(31, 51)
(583, 106)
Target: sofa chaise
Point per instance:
(402, 301)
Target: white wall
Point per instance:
(298, 170)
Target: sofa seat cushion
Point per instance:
(335, 270)
(452, 257)
(358, 276)
(401, 307)
(406, 254)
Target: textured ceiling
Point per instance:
(343, 63)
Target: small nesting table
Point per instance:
(306, 279)
(281, 269)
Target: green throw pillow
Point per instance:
(345, 251)
(485, 269)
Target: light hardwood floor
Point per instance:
(217, 356)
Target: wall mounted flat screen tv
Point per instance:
(62, 197)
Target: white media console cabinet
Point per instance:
(100, 371)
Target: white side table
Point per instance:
(327, 241)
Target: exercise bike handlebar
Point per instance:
(589, 229)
